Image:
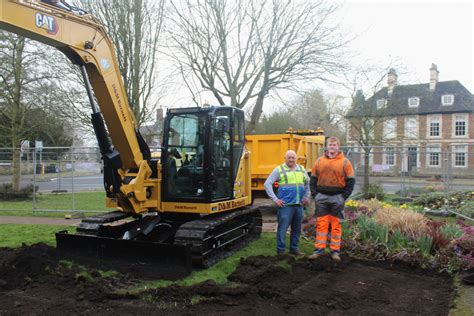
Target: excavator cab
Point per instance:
(202, 148)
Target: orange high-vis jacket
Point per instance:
(333, 176)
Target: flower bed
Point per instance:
(380, 231)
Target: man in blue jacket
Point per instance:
(293, 193)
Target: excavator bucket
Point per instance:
(148, 259)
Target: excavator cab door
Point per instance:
(202, 148)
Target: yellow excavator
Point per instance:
(192, 206)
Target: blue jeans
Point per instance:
(289, 215)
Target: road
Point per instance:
(95, 183)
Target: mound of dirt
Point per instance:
(34, 282)
(21, 265)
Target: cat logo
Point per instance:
(46, 22)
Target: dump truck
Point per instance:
(193, 204)
(268, 151)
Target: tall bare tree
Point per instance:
(135, 28)
(366, 119)
(314, 109)
(24, 78)
(241, 50)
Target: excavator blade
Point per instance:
(148, 259)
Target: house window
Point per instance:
(413, 102)
(390, 128)
(434, 127)
(390, 156)
(433, 156)
(447, 99)
(460, 125)
(460, 156)
(381, 103)
(411, 127)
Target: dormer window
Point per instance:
(381, 103)
(447, 99)
(413, 102)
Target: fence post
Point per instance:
(34, 179)
(402, 173)
(72, 179)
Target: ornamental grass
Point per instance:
(412, 224)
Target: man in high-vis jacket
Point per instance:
(332, 182)
(293, 193)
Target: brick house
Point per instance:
(427, 129)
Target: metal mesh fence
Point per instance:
(70, 178)
(400, 170)
(58, 177)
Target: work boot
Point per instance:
(335, 256)
(314, 256)
(296, 253)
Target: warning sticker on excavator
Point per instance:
(46, 22)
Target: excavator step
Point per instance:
(92, 225)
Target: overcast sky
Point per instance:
(416, 33)
(413, 34)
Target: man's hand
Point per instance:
(305, 201)
(280, 203)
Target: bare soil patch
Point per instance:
(34, 282)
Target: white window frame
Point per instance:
(381, 103)
(456, 150)
(430, 150)
(466, 124)
(432, 119)
(416, 102)
(386, 155)
(447, 99)
(413, 133)
(390, 128)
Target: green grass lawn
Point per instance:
(83, 201)
(14, 235)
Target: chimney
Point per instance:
(391, 80)
(434, 77)
(159, 114)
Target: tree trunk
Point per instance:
(16, 166)
(256, 113)
(366, 172)
(16, 119)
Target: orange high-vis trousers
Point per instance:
(322, 225)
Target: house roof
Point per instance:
(430, 101)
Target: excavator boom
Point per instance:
(84, 42)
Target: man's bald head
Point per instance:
(290, 158)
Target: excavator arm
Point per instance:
(85, 42)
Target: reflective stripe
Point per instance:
(335, 243)
(284, 173)
(321, 234)
(288, 185)
(343, 167)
